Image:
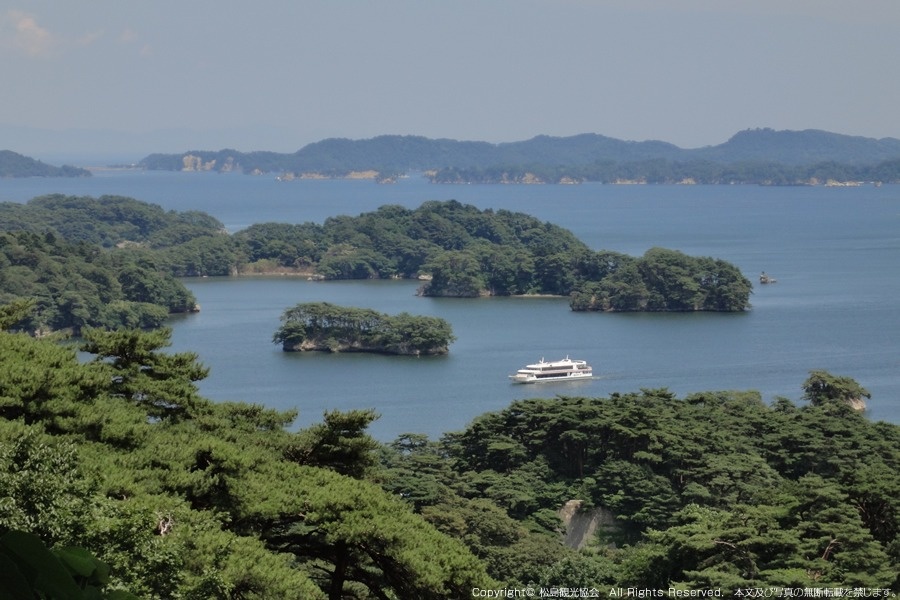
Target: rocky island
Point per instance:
(326, 327)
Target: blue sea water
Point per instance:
(834, 251)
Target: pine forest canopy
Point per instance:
(119, 463)
(75, 285)
(466, 252)
(325, 326)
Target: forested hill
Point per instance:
(776, 157)
(800, 148)
(457, 250)
(13, 164)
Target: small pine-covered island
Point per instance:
(328, 327)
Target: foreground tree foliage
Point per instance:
(716, 490)
(28, 569)
(184, 498)
(162, 384)
(119, 461)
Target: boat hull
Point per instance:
(532, 379)
(541, 379)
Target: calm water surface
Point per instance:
(835, 252)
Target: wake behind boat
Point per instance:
(559, 370)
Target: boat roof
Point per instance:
(563, 361)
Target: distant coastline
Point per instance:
(13, 164)
(758, 156)
(754, 156)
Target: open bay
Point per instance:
(835, 252)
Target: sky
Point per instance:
(169, 76)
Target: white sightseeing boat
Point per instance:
(558, 370)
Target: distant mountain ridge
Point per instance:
(395, 154)
(763, 156)
(13, 164)
(805, 147)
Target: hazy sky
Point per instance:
(280, 74)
